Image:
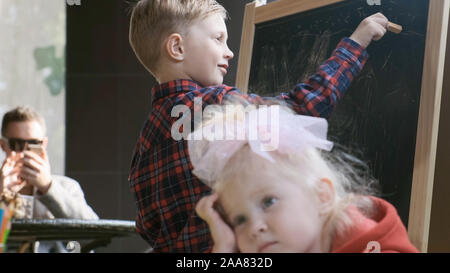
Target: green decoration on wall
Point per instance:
(46, 57)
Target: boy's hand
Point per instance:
(222, 234)
(371, 28)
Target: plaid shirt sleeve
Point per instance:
(161, 176)
(318, 95)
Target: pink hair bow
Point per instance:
(265, 130)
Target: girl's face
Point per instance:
(272, 216)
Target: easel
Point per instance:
(430, 102)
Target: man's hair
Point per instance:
(154, 20)
(21, 114)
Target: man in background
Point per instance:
(26, 169)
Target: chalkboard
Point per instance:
(380, 111)
(379, 115)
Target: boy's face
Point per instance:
(272, 216)
(206, 51)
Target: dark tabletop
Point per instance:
(69, 229)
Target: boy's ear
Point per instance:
(174, 47)
(326, 194)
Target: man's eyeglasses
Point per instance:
(18, 144)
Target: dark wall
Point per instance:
(108, 98)
(107, 101)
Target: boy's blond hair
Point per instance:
(152, 21)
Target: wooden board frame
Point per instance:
(430, 98)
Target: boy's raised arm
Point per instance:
(321, 92)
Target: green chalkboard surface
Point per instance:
(379, 113)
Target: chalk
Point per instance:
(394, 28)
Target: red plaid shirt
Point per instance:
(161, 176)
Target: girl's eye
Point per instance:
(239, 220)
(268, 201)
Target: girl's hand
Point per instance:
(371, 28)
(222, 234)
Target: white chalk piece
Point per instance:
(394, 28)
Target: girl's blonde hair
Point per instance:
(349, 176)
(152, 21)
(352, 185)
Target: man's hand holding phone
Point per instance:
(35, 168)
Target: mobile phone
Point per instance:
(37, 149)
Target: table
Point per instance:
(97, 232)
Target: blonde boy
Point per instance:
(183, 44)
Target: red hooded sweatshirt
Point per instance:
(384, 232)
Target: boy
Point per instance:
(183, 44)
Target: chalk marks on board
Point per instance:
(380, 110)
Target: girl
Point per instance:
(291, 196)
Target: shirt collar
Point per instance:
(175, 86)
